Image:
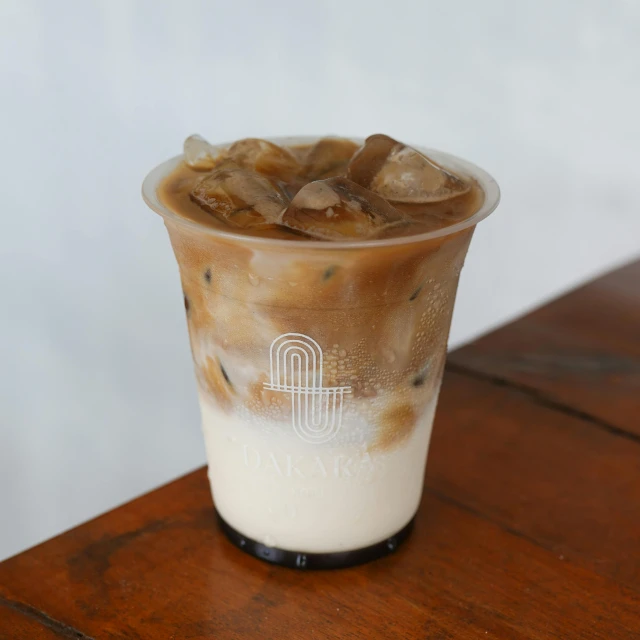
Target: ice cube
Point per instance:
(337, 208)
(239, 197)
(265, 158)
(199, 154)
(370, 158)
(401, 174)
(328, 158)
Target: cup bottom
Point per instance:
(306, 561)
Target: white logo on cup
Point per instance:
(296, 369)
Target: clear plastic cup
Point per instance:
(318, 367)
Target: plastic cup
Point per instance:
(318, 367)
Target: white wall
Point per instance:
(97, 401)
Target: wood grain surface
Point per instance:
(580, 353)
(529, 526)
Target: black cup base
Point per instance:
(307, 561)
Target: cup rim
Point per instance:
(487, 183)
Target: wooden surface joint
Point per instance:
(540, 398)
(59, 628)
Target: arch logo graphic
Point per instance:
(296, 363)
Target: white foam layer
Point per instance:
(284, 492)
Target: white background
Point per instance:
(97, 398)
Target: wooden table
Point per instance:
(529, 526)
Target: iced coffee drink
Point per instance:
(319, 278)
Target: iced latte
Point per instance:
(319, 278)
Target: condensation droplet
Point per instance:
(342, 353)
(388, 354)
(254, 280)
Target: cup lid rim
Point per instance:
(487, 183)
